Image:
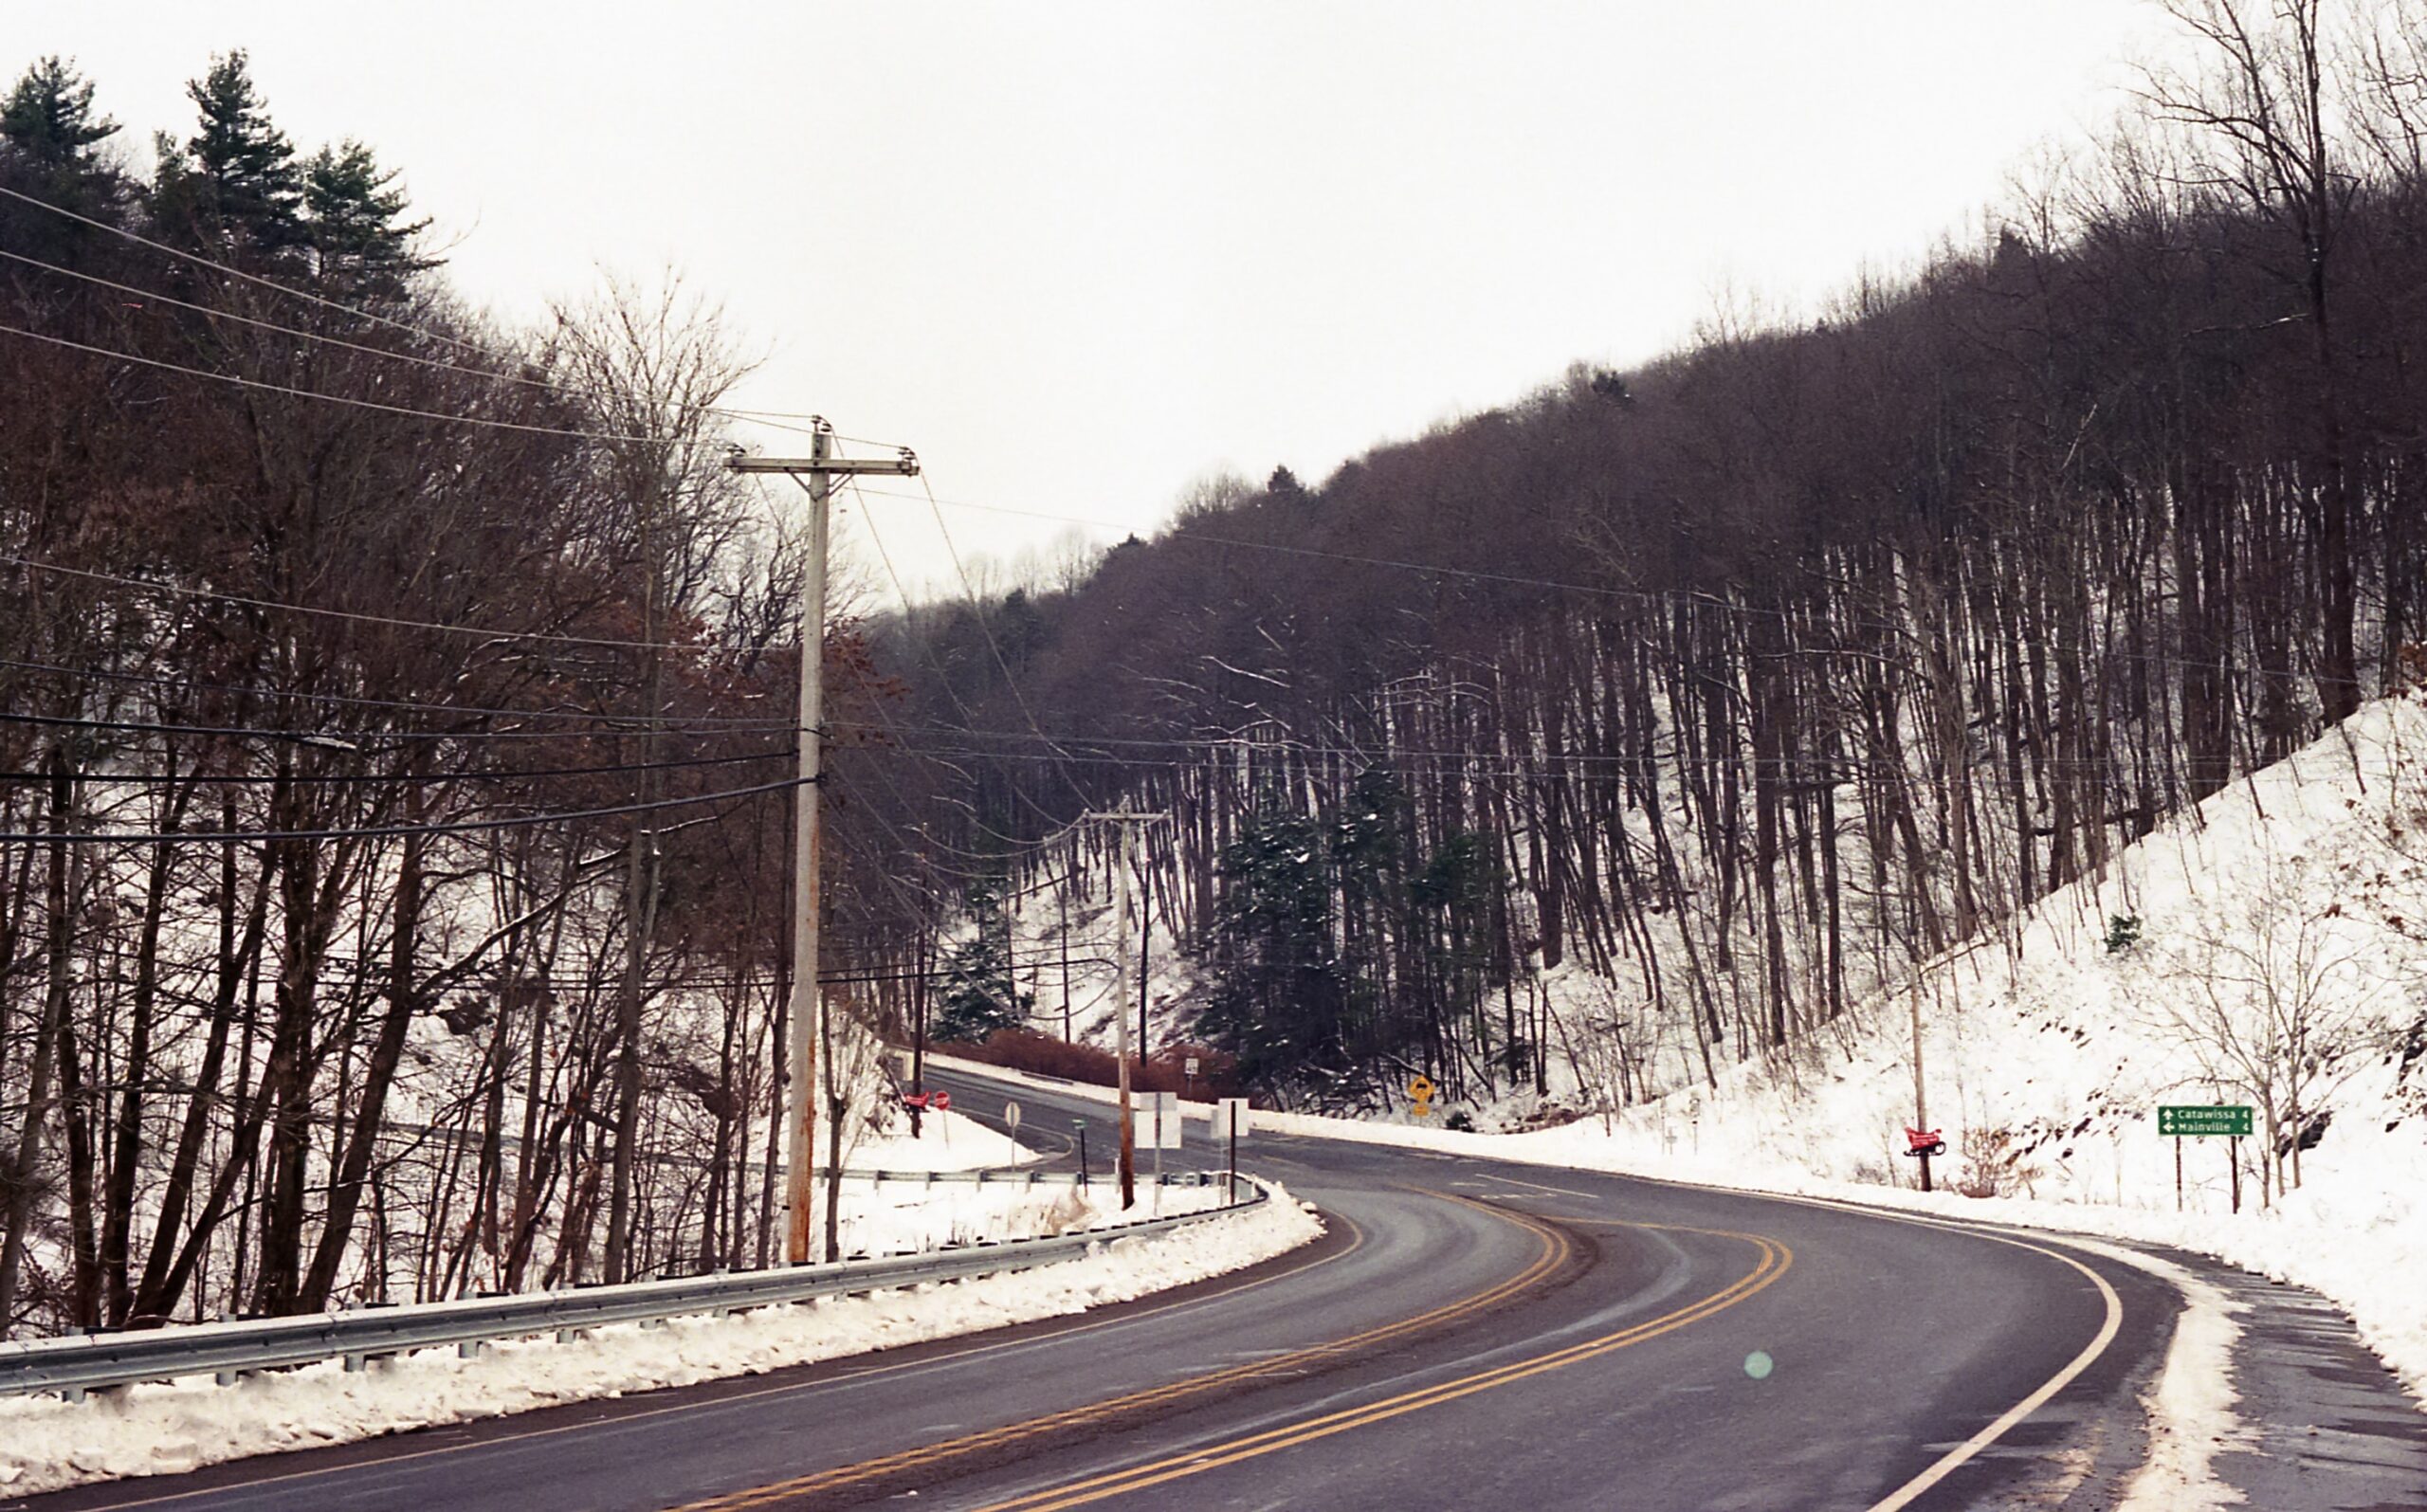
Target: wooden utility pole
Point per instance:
(1128, 822)
(1920, 1098)
(1146, 950)
(814, 472)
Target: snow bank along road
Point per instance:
(1468, 1333)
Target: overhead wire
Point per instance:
(264, 385)
(356, 740)
(1658, 598)
(978, 612)
(388, 832)
(478, 631)
(770, 418)
(352, 700)
(341, 778)
(943, 678)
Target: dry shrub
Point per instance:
(1992, 1167)
(1020, 1049)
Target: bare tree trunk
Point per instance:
(23, 1184)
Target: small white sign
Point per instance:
(1191, 1066)
(1011, 1116)
(1158, 1123)
(1232, 1118)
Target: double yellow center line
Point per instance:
(1774, 1258)
(1556, 1250)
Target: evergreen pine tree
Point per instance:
(51, 148)
(979, 992)
(233, 185)
(353, 222)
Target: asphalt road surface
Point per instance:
(1467, 1335)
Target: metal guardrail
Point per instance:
(76, 1365)
(1021, 1176)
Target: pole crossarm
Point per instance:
(905, 465)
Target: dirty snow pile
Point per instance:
(45, 1443)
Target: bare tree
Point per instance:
(2270, 996)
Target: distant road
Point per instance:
(1469, 1334)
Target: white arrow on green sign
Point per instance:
(2210, 1121)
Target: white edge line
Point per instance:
(1957, 1457)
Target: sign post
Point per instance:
(2230, 1122)
(1230, 1116)
(1079, 1126)
(1163, 1131)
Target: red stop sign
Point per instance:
(939, 1100)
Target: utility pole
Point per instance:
(815, 473)
(1920, 1098)
(1128, 822)
(1145, 953)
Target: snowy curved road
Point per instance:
(1468, 1333)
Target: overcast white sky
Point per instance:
(1082, 255)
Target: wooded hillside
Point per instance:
(1750, 675)
(396, 746)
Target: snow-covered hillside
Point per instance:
(2269, 948)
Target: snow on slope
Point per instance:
(2300, 891)
(2046, 1053)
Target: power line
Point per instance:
(1661, 599)
(978, 612)
(388, 832)
(379, 738)
(1202, 537)
(452, 418)
(943, 677)
(434, 363)
(273, 285)
(484, 632)
(770, 418)
(1222, 755)
(352, 701)
(323, 780)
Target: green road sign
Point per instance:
(2215, 1120)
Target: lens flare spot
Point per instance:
(1758, 1365)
